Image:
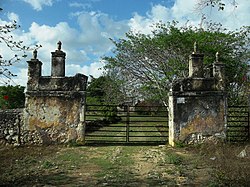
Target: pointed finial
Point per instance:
(35, 54)
(195, 47)
(217, 56)
(59, 45)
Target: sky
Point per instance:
(85, 27)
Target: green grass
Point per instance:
(123, 166)
(173, 158)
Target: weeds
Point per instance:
(229, 170)
(175, 159)
(125, 166)
(47, 164)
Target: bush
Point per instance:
(12, 97)
(110, 114)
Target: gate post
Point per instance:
(197, 104)
(82, 125)
(55, 105)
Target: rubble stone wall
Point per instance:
(56, 119)
(13, 131)
(10, 124)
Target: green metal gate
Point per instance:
(126, 124)
(238, 124)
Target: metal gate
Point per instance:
(238, 124)
(126, 124)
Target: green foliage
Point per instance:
(12, 97)
(47, 164)
(173, 158)
(110, 114)
(104, 91)
(150, 63)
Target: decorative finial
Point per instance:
(59, 45)
(35, 54)
(195, 47)
(217, 56)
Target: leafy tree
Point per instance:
(12, 97)
(220, 4)
(104, 91)
(17, 47)
(149, 63)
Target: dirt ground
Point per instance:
(119, 165)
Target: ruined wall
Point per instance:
(196, 117)
(55, 119)
(55, 105)
(197, 105)
(10, 123)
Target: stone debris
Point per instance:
(243, 153)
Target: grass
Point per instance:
(175, 159)
(228, 168)
(125, 166)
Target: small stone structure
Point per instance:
(197, 105)
(55, 105)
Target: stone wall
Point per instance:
(54, 110)
(56, 119)
(55, 105)
(197, 104)
(10, 126)
(12, 130)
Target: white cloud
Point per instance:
(183, 11)
(13, 16)
(95, 69)
(38, 4)
(22, 77)
(231, 17)
(144, 24)
(85, 46)
(80, 5)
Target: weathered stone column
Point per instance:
(82, 125)
(219, 73)
(196, 63)
(58, 62)
(34, 72)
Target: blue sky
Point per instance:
(62, 10)
(85, 26)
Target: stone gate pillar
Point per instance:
(197, 105)
(55, 105)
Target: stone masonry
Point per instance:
(10, 126)
(197, 105)
(55, 105)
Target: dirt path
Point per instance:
(101, 166)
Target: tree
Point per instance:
(17, 47)
(104, 90)
(220, 4)
(149, 63)
(11, 97)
